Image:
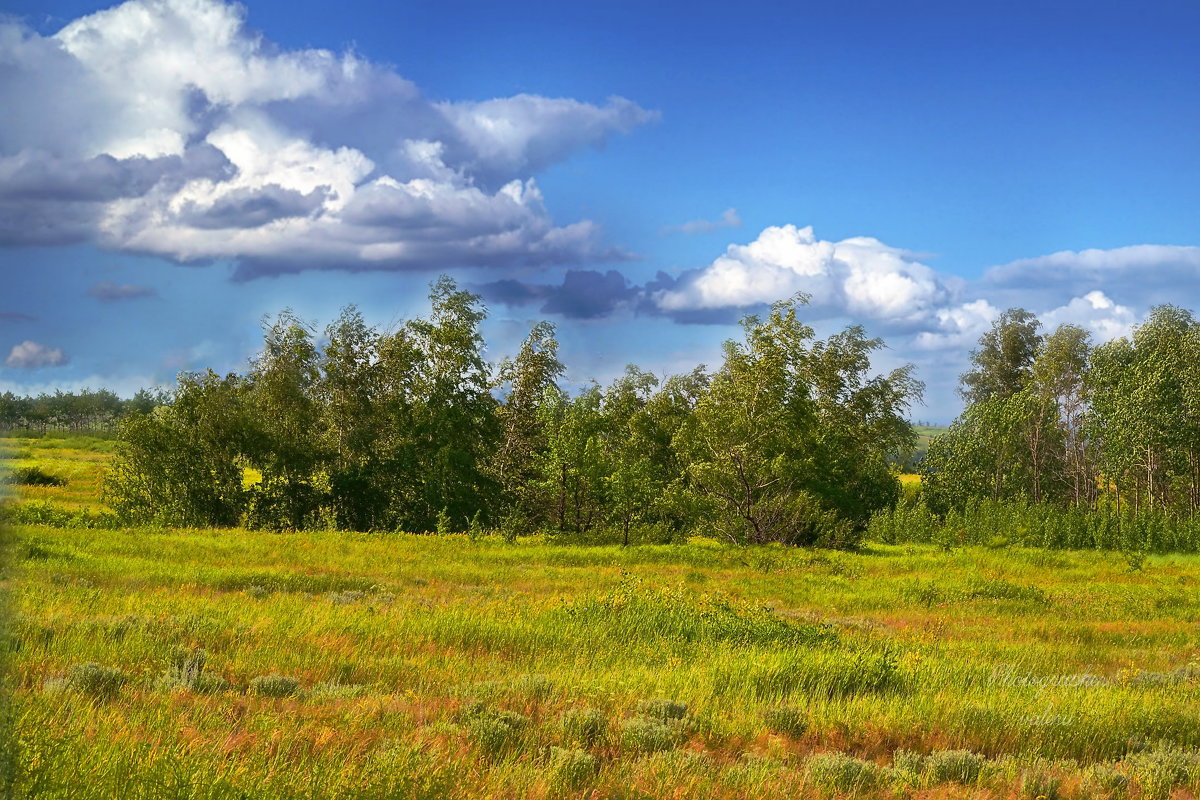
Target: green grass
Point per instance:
(78, 462)
(229, 664)
(335, 657)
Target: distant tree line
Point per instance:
(413, 429)
(86, 410)
(1054, 419)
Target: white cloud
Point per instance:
(31, 355)
(1096, 312)
(957, 327)
(1142, 262)
(729, 219)
(860, 277)
(166, 127)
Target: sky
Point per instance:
(642, 175)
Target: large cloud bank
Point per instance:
(862, 279)
(166, 127)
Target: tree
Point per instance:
(528, 382)
(1002, 364)
(454, 419)
(285, 405)
(180, 464)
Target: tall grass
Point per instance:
(1023, 524)
(232, 663)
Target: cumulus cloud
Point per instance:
(860, 276)
(110, 291)
(1096, 312)
(729, 219)
(165, 127)
(957, 327)
(31, 355)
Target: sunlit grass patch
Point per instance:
(440, 667)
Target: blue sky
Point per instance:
(641, 177)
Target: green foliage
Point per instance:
(585, 727)
(33, 476)
(787, 720)
(571, 770)
(96, 680)
(959, 766)
(647, 734)
(494, 730)
(633, 609)
(1159, 771)
(1019, 523)
(274, 685)
(840, 773)
(413, 430)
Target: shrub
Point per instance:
(570, 769)
(34, 476)
(787, 720)
(1159, 771)
(664, 710)
(643, 734)
(584, 726)
(186, 672)
(96, 681)
(275, 686)
(493, 730)
(1108, 781)
(534, 687)
(817, 672)
(1039, 783)
(960, 766)
(907, 767)
(838, 772)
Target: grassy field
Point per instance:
(235, 664)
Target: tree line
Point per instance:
(86, 410)
(413, 429)
(1053, 419)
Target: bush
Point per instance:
(642, 734)
(1040, 784)
(960, 766)
(838, 772)
(1107, 781)
(275, 686)
(570, 769)
(664, 710)
(33, 476)
(1159, 771)
(493, 730)
(584, 726)
(186, 672)
(907, 767)
(96, 681)
(787, 720)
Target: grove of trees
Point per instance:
(413, 429)
(86, 410)
(1054, 419)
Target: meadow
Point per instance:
(224, 663)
